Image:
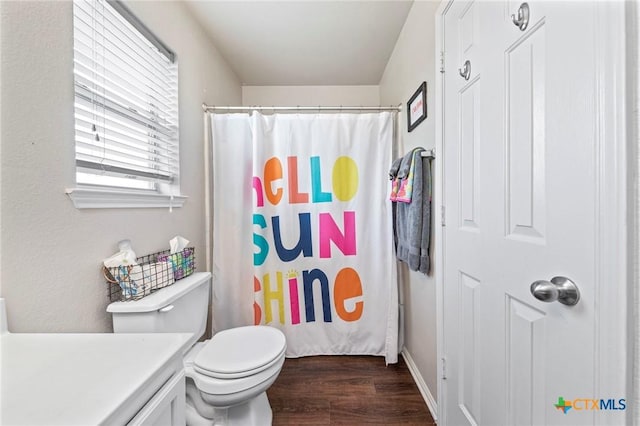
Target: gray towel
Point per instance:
(393, 172)
(405, 164)
(413, 220)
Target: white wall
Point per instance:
(310, 95)
(51, 252)
(412, 62)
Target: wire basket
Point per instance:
(153, 272)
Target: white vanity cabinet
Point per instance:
(92, 379)
(167, 407)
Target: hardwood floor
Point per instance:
(346, 390)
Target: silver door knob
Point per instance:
(522, 20)
(561, 289)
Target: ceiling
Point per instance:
(304, 42)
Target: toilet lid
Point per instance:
(240, 351)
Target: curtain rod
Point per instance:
(212, 108)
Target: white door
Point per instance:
(521, 202)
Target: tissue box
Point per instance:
(130, 279)
(137, 281)
(182, 263)
(159, 275)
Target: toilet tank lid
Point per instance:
(162, 297)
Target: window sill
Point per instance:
(85, 198)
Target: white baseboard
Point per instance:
(422, 386)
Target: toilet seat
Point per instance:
(236, 360)
(240, 352)
(233, 387)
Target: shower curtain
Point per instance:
(302, 235)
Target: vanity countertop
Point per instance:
(83, 379)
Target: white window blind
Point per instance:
(126, 100)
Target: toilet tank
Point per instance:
(179, 308)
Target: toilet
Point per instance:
(227, 376)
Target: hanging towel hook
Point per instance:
(522, 21)
(465, 71)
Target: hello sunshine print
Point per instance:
(324, 270)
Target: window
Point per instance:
(126, 105)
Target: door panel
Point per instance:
(469, 392)
(525, 99)
(525, 343)
(469, 167)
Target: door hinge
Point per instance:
(442, 213)
(444, 369)
(442, 61)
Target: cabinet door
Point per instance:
(167, 407)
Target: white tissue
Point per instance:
(124, 245)
(125, 269)
(178, 244)
(125, 256)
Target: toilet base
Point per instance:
(255, 412)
